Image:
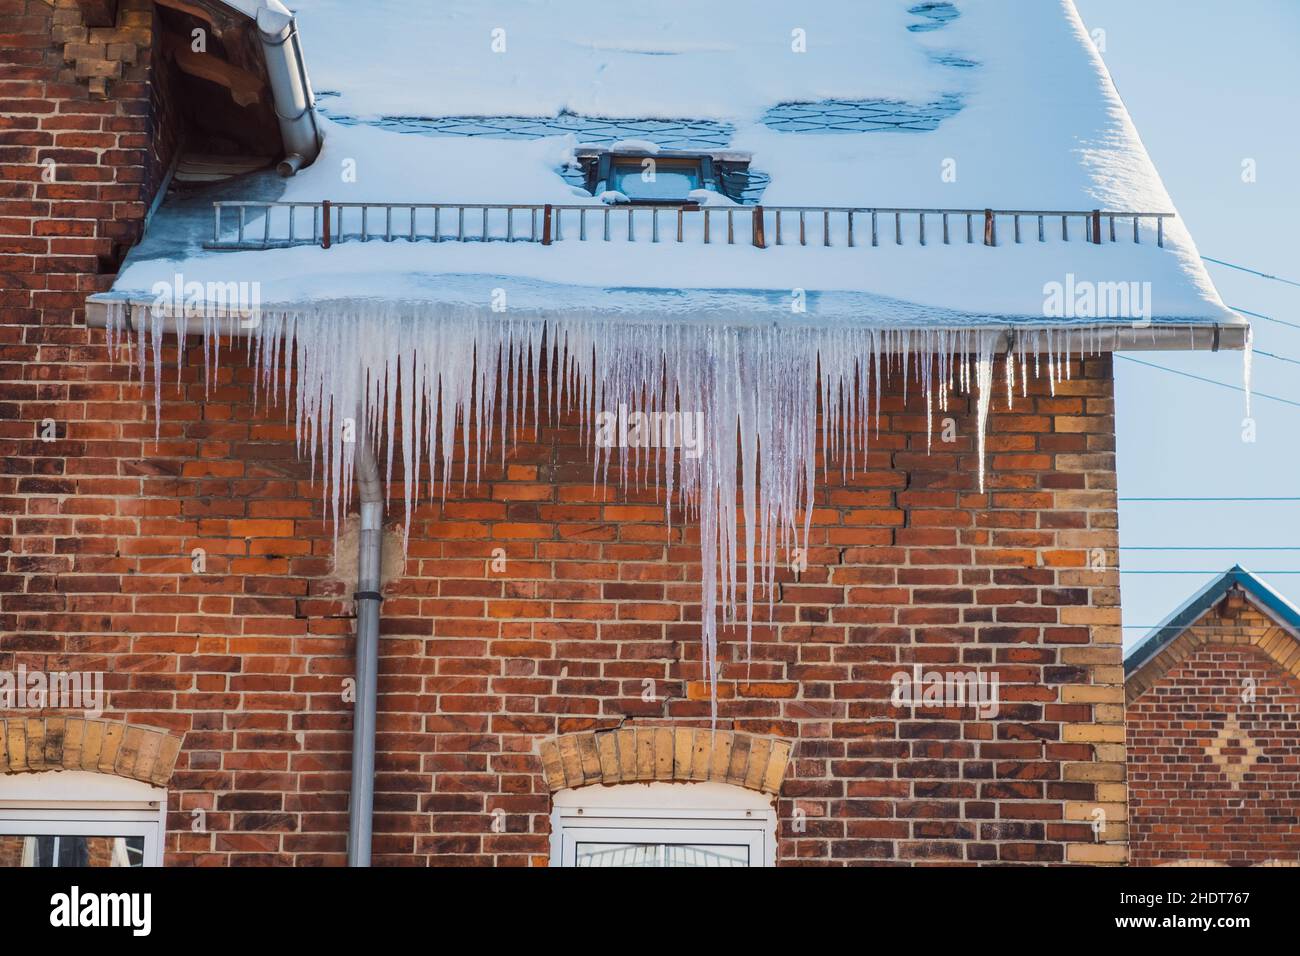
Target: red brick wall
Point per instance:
(83, 144)
(1214, 775)
(246, 659)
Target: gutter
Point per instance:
(295, 104)
(368, 598)
(1159, 337)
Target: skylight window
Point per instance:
(647, 175)
(652, 180)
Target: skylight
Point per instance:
(647, 179)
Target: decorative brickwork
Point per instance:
(32, 744)
(1214, 745)
(98, 55)
(1252, 628)
(77, 170)
(678, 754)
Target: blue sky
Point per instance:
(1210, 84)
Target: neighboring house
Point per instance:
(1213, 700)
(760, 366)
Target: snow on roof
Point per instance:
(670, 58)
(1040, 127)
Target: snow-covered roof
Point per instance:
(1039, 125)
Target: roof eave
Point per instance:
(1277, 608)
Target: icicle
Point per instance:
(984, 389)
(1247, 363)
(428, 381)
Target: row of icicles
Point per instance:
(425, 377)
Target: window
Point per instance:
(648, 179)
(651, 176)
(72, 818)
(663, 825)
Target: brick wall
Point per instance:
(1214, 750)
(82, 149)
(197, 571)
(246, 658)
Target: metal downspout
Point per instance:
(295, 104)
(368, 598)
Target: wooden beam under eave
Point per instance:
(245, 88)
(98, 13)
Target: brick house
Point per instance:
(1213, 739)
(534, 688)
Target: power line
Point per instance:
(1254, 272)
(1207, 498)
(1188, 547)
(1210, 381)
(1267, 318)
(1216, 571)
(1280, 358)
(1200, 626)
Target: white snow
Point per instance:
(365, 164)
(1042, 128)
(708, 197)
(669, 59)
(636, 145)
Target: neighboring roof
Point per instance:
(1029, 120)
(1151, 650)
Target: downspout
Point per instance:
(368, 598)
(295, 106)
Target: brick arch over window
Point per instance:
(31, 744)
(681, 754)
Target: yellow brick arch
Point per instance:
(35, 744)
(674, 754)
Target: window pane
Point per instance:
(673, 183)
(661, 854)
(65, 850)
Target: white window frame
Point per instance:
(80, 803)
(697, 813)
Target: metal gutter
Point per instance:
(1158, 337)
